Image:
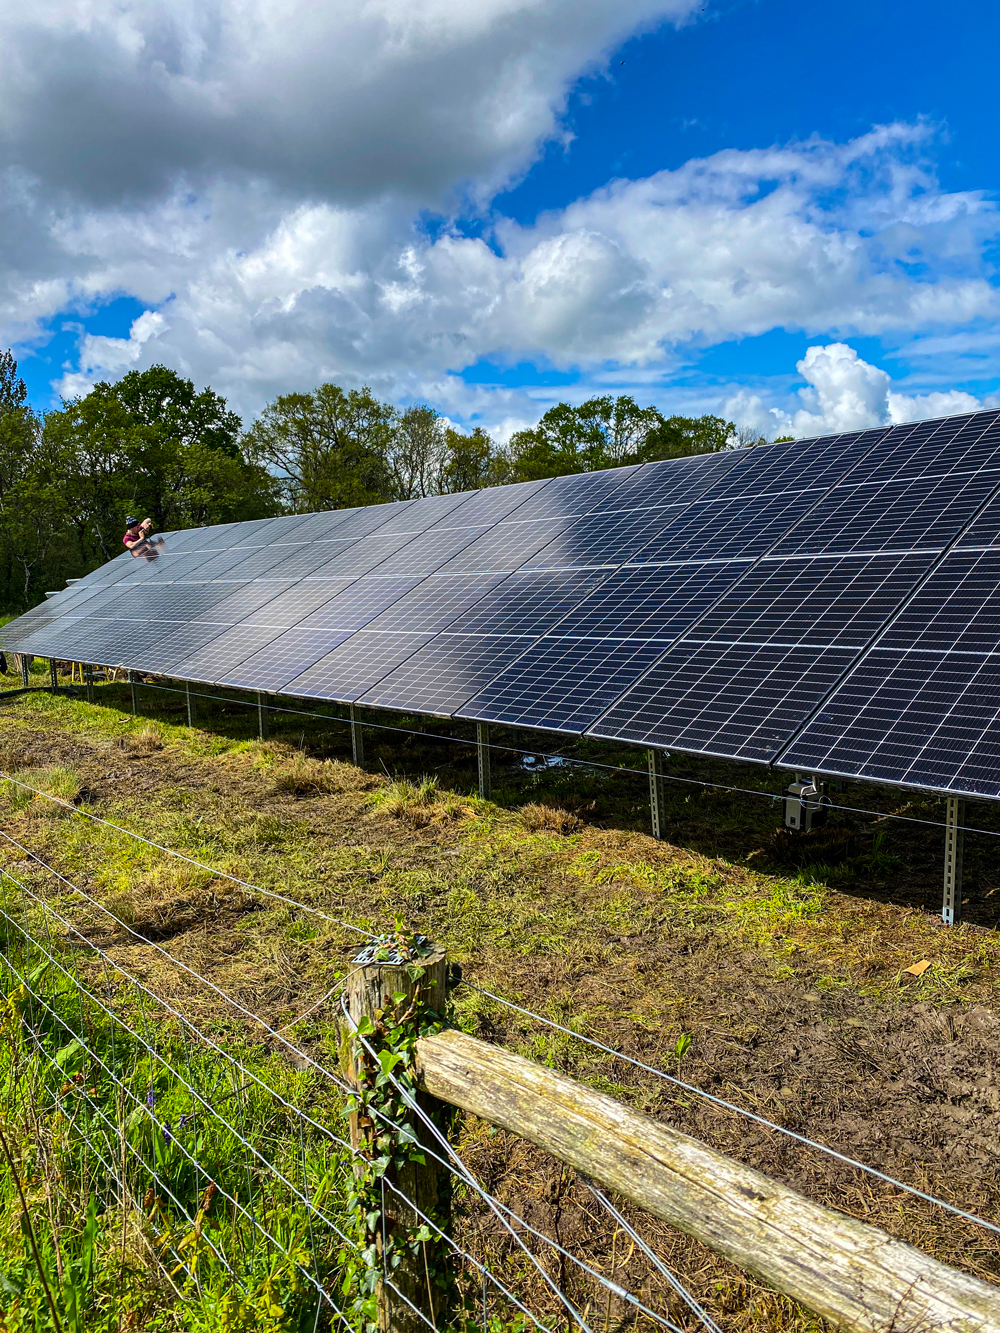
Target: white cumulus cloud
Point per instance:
(843, 393)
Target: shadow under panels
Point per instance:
(922, 707)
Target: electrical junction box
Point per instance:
(806, 803)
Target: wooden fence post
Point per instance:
(368, 991)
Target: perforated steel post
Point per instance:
(88, 681)
(53, 673)
(483, 756)
(133, 683)
(954, 844)
(657, 804)
(190, 703)
(24, 660)
(357, 740)
(262, 718)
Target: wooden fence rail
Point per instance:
(855, 1275)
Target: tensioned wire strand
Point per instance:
(581, 763)
(203, 1037)
(738, 1110)
(659, 1073)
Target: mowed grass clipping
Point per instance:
(786, 993)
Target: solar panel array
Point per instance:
(829, 605)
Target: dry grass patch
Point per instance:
(139, 743)
(549, 819)
(305, 776)
(418, 803)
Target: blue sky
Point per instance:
(488, 271)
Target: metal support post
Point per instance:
(483, 755)
(88, 680)
(657, 787)
(133, 682)
(53, 673)
(954, 840)
(24, 660)
(357, 740)
(262, 717)
(190, 703)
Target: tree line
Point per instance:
(151, 444)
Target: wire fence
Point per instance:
(215, 1160)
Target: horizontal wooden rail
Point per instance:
(858, 1277)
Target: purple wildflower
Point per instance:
(167, 1137)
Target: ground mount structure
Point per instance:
(829, 606)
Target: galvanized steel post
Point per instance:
(53, 674)
(190, 703)
(262, 718)
(24, 659)
(357, 740)
(954, 846)
(657, 804)
(483, 756)
(133, 682)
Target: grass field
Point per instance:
(781, 957)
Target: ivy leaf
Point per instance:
(388, 1060)
(365, 1026)
(424, 1233)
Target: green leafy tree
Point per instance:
(328, 449)
(151, 444)
(610, 432)
(472, 461)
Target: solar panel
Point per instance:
(562, 684)
(527, 603)
(358, 603)
(444, 674)
(216, 657)
(285, 607)
(568, 497)
(356, 666)
(427, 551)
(283, 658)
(434, 603)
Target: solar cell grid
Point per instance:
(897, 514)
(428, 551)
(922, 718)
(291, 605)
(160, 648)
(356, 666)
(672, 481)
(431, 511)
(561, 684)
(936, 447)
(490, 506)
(602, 540)
(503, 547)
(283, 658)
(527, 604)
(843, 600)
(740, 701)
(238, 601)
(957, 608)
(270, 530)
(386, 518)
(743, 526)
(572, 496)
(814, 464)
(227, 650)
(298, 562)
(651, 601)
(441, 676)
(323, 526)
(358, 557)
(359, 602)
(209, 565)
(434, 603)
(251, 563)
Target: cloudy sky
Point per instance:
(781, 212)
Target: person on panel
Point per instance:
(136, 538)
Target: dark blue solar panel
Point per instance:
(896, 514)
(931, 448)
(504, 547)
(440, 677)
(435, 603)
(356, 666)
(742, 526)
(842, 600)
(562, 684)
(287, 656)
(651, 601)
(957, 608)
(527, 604)
(355, 558)
(921, 718)
(490, 506)
(740, 701)
(602, 540)
(359, 602)
(214, 659)
(387, 518)
(428, 551)
(267, 531)
(160, 648)
(238, 601)
(671, 482)
(569, 497)
(813, 464)
(173, 601)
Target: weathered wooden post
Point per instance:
(417, 971)
(483, 755)
(262, 718)
(357, 741)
